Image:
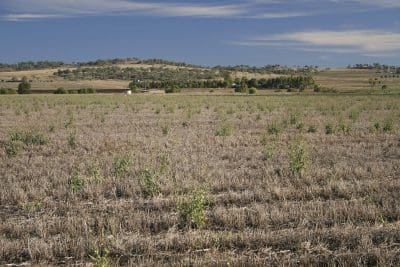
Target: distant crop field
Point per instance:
(353, 80)
(200, 180)
(332, 80)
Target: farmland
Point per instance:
(117, 77)
(288, 180)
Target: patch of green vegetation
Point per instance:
(191, 210)
(224, 131)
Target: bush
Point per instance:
(60, 91)
(242, 88)
(329, 129)
(133, 87)
(29, 138)
(7, 91)
(77, 183)
(12, 148)
(72, 91)
(86, 91)
(387, 126)
(22, 140)
(172, 89)
(24, 87)
(252, 91)
(149, 185)
(298, 158)
(191, 210)
(121, 166)
(72, 141)
(100, 257)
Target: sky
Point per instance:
(225, 32)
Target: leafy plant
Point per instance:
(191, 210)
(149, 184)
(329, 129)
(100, 257)
(252, 90)
(19, 140)
(298, 158)
(121, 166)
(72, 141)
(60, 91)
(77, 183)
(224, 131)
(387, 126)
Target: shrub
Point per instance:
(387, 126)
(22, 140)
(329, 129)
(133, 87)
(298, 158)
(252, 91)
(100, 257)
(317, 88)
(72, 92)
(77, 183)
(72, 141)
(7, 91)
(12, 148)
(29, 138)
(86, 91)
(121, 166)
(172, 89)
(191, 210)
(242, 88)
(149, 185)
(24, 87)
(60, 91)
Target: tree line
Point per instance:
(284, 82)
(143, 74)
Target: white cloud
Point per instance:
(381, 3)
(252, 9)
(97, 7)
(366, 42)
(27, 16)
(280, 15)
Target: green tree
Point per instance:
(228, 80)
(24, 87)
(133, 86)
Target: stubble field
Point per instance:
(200, 180)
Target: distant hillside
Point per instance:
(159, 74)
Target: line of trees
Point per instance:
(153, 73)
(284, 82)
(30, 65)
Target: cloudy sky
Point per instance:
(254, 32)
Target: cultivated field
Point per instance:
(337, 80)
(200, 180)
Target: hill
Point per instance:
(156, 73)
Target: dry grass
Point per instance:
(104, 179)
(353, 80)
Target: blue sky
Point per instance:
(253, 32)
